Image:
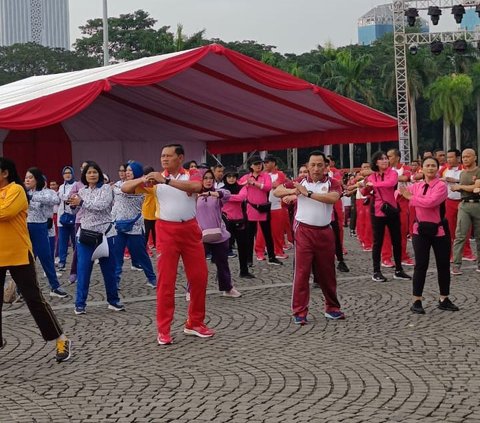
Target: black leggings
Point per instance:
(239, 233)
(378, 228)
(441, 249)
(150, 228)
(25, 278)
(267, 234)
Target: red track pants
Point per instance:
(404, 228)
(277, 224)
(175, 240)
(314, 250)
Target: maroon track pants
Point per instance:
(314, 248)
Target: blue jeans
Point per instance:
(65, 234)
(138, 252)
(41, 249)
(84, 271)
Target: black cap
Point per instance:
(270, 158)
(254, 159)
(230, 171)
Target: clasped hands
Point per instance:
(153, 178)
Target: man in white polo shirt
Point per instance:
(314, 238)
(178, 236)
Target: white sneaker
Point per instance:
(187, 296)
(139, 269)
(233, 293)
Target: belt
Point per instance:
(313, 226)
(471, 201)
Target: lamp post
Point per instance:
(106, 57)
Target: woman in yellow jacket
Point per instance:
(16, 256)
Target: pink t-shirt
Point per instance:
(427, 199)
(384, 186)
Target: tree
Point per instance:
(132, 36)
(449, 96)
(21, 61)
(475, 75)
(346, 75)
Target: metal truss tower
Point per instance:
(402, 40)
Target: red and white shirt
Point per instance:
(177, 205)
(313, 212)
(452, 172)
(278, 178)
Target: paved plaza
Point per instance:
(382, 364)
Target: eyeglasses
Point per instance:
(67, 173)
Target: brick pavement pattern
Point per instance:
(381, 364)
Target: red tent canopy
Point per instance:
(208, 97)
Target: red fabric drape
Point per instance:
(48, 148)
(356, 112)
(52, 109)
(265, 74)
(160, 71)
(346, 136)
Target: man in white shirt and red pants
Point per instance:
(179, 236)
(314, 238)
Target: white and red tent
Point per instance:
(207, 98)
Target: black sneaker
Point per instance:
(378, 277)
(275, 262)
(116, 307)
(59, 292)
(342, 267)
(247, 275)
(64, 350)
(447, 305)
(401, 275)
(417, 307)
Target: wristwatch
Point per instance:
(167, 181)
(309, 194)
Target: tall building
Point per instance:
(377, 22)
(470, 20)
(44, 22)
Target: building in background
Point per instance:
(470, 20)
(377, 22)
(44, 22)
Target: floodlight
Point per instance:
(436, 47)
(458, 11)
(411, 15)
(434, 12)
(459, 46)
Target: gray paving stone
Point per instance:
(381, 364)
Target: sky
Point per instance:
(294, 26)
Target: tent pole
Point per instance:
(295, 162)
(351, 155)
(106, 56)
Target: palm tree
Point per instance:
(475, 75)
(347, 76)
(449, 96)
